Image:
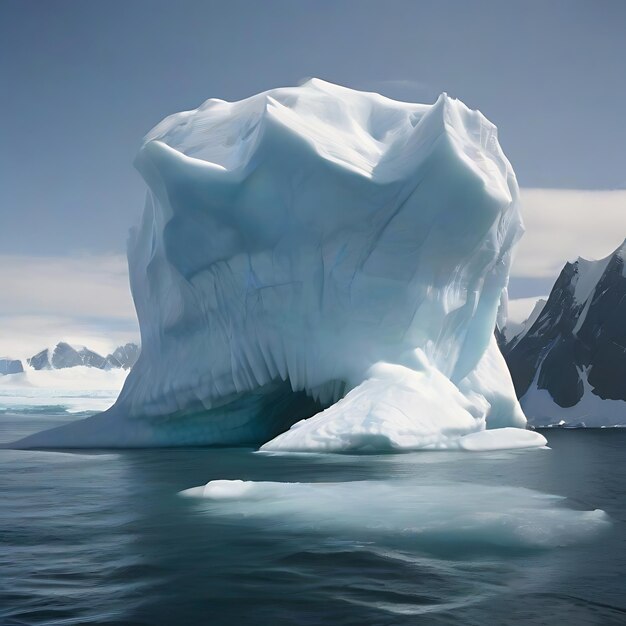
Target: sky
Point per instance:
(82, 82)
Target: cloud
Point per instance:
(86, 285)
(83, 299)
(563, 224)
(520, 308)
(22, 336)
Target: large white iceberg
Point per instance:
(318, 247)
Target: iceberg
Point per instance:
(319, 269)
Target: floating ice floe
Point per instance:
(430, 517)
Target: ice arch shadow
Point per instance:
(248, 419)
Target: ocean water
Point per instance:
(107, 537)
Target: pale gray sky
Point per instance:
(81, 82)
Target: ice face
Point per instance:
(318, 247)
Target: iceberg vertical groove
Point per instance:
(318, 247)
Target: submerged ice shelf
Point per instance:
(317, 248)
(431, 517)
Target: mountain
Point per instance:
(10, 366)
(63, 356)
(123, 356)
(568, 364)
(520, 330)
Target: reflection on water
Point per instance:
(450, 538)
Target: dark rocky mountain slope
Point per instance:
(576, 346)
(63, 355)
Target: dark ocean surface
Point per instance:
(105, 537)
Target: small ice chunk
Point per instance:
(227, 489)
(502, 439)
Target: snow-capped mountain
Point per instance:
(10, 366)
(123, 356)
(63, 355)
(568, 363)
(520, 330)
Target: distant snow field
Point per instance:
(75, 389)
